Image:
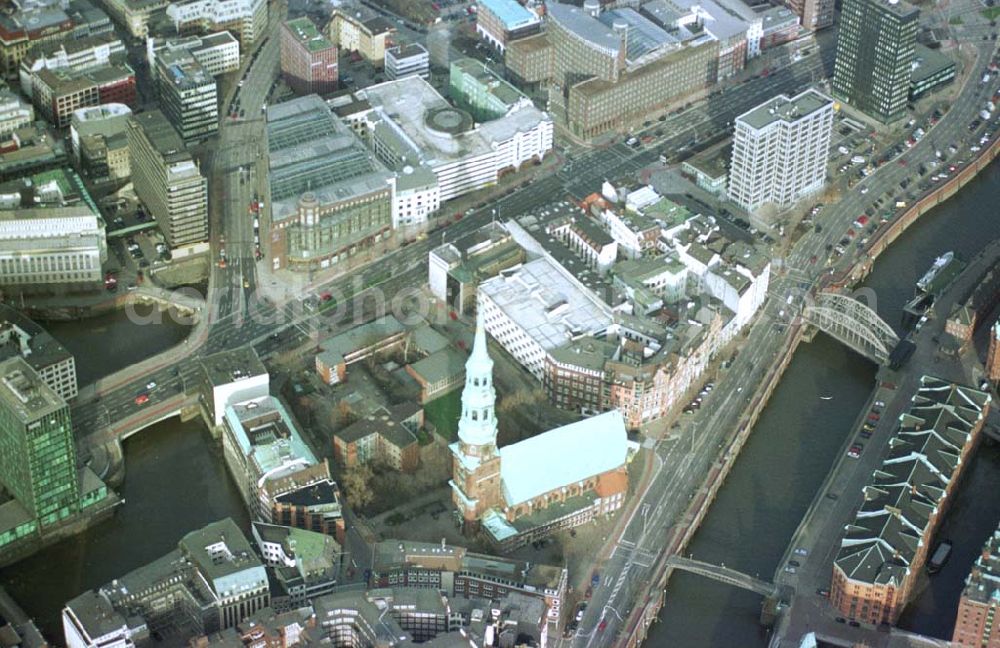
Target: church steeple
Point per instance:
(477, 429)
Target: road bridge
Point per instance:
(853, 323)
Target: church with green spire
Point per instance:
(526, 490)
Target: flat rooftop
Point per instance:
(162, 135)
(308, 36)
(33, 343)
(24, 393)
(492, 83)
(511, 13)
(543, 301)
(785, 109)
(928, 63)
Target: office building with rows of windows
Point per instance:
(37, 451)
(875, 49)
(167, 179)
(52, 246)
(780, 150)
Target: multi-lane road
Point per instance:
(236, 317)
(685, 460)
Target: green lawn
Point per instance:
(443, 413)
(957, 20)
(991, 13)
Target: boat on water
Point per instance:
(826, 397)
(940, 264)
(940, 557)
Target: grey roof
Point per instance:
(238, 556)
(928, 63)
(96, 614)
(904, 493)
(983, 583)
(311, 150)
(162, 135)
(24, 393)
(644, 36)
(783, 108)
(582, 25)
(441, 365)
(40, 349)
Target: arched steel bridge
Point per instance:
(725, 575)
(853, 323)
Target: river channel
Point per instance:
(797, 440)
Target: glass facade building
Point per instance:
(37, 454)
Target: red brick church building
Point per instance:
(527, 490)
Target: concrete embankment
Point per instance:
(649, 603)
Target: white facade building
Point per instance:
(217, 53)
(410, 123)
(14, 112)
(780, 150)
(417, 195)
(59, 245)
(90, 621)
(537, 307)
(407, 60)
(246, 18)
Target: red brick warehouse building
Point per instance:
(308, 59)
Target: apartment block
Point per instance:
(135, 15)
(15, 113)
(52, 246)
(50, 359)
(780, 151)
(979, 603)
(217, 53)
(359, 29)
(813, 14)
(37, 450)
(328, 197)
(167, 179)
(100, 142)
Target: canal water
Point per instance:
(175, 479)
(759, 506)
(104, 344)
(175, 482)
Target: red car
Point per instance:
(142, 399)
(602, 625)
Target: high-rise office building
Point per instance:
(188, 94)
(37, 454)
(167, 179)
(308, 59)
(780, 150)
(874, 54)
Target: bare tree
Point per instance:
(356, 482)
